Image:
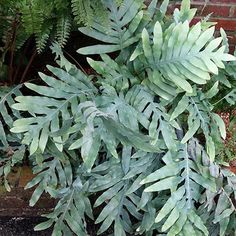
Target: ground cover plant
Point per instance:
(134, 147)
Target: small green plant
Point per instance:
(139, 136)
(226, 150)
(230, 145)
(224, 104)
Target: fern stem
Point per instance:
(187, 183)
(220, 100)
(67, 206)
(10, 75)
(12, 49)
(21, 60)
(77, 63)
(28, 66)
(198, 112)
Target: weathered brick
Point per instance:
(231, 48)
(172, 7)
(232, 38)
(223, 1)
(195, 20)
(226, 24)
(212, 9)
(232, 11)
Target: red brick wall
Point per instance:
(223, 12)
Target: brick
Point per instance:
(232, 11)
(231, 49)
(226, 24)
(223, 1)
(172, 7)
(231, 38)
(195, 20)
(229, 25)
(215, 10)
(204, 10)
(230, 35)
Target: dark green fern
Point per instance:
(46, 19)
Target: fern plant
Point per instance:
(46, 19)
(139, 137)
(35, 24)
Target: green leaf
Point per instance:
(44, 225)
(164, 172)
(164, 184)
(210, 148)
(191, 131)
(36, 195)
(180, 108)
(170, 204)
(182, 53)
(118, 229)
(231, 97)
(177, 227)
(172, 218)
(226, 213)
(123, 23)
(107, 210)
(197, 221)
(146, 45)
(213, 91)
(111, 192)
(223, 226)
(220, 124)
(47, 110)
(99, 49)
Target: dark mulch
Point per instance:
(24, 226)
(19, 226)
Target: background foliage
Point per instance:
(141, 135)
(45, 19)
(28, 27)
